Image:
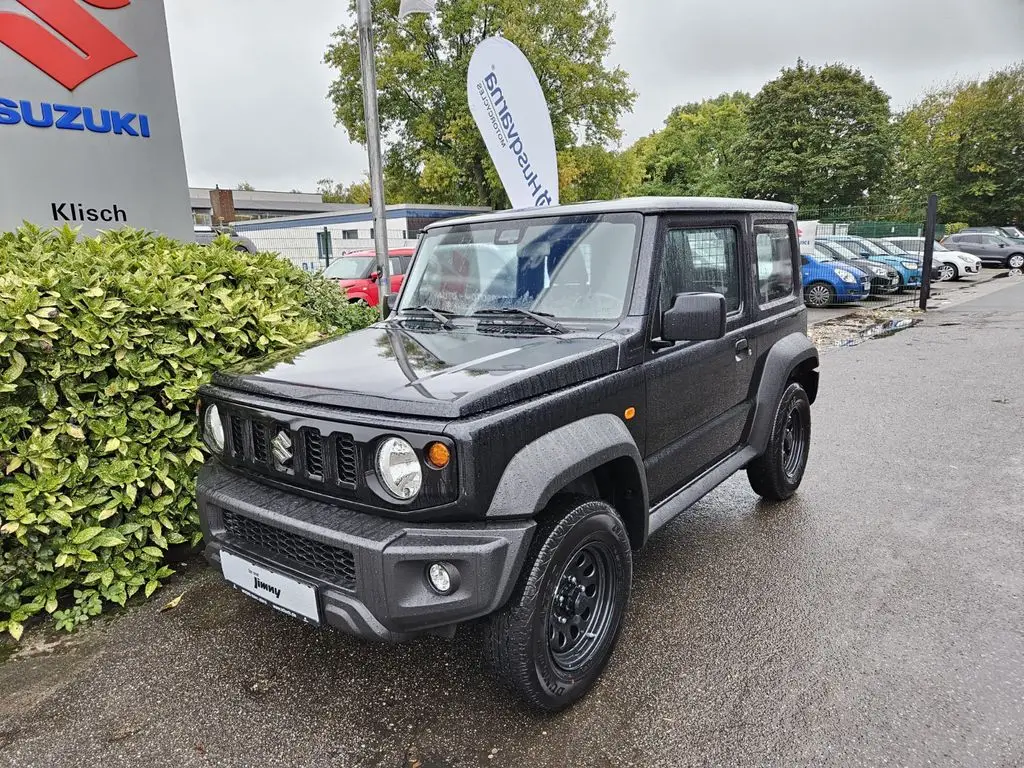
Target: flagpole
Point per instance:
(369, 77)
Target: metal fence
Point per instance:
(861, 232)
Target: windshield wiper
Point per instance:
(440, 315)
(541, 318)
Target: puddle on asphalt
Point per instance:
(854, 329)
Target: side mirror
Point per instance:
(695, 317)
(386, 305)
(1002, 245)
(374, 277)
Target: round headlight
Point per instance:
(213, 429)
(399, 469)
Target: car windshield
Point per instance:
(938, 246)
(892, 248)
(867, 245)
(1013, 232)
(349, 268)
(574, 268)
(843, 250)
(821, 253)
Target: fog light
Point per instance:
(443, 578)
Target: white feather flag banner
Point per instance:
(509, 107)
(410, 7)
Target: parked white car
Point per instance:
(953, 264)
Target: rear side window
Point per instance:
(701, 261)
(774, 262)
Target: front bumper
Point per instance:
(369, 572)
(853, 291)
(883, 284)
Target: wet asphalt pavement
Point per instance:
(876, 619)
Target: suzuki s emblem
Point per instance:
(281, 446)
(69, 44)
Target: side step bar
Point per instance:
(686, 497)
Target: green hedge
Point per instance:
(103, 345)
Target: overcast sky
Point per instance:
(252, 86)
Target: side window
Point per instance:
(774, 262)
(397, 267)
(701, 261)
(991, 240)
(976, 239)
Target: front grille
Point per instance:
(348, 460)
(314, 453)
(332, 460)
(260, 443)
(336, 563)
(237, 438)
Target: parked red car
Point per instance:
(357, 274)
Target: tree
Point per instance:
(433, 150)
(245, 186)
(965, 142)
(700, 150)
(595, 173)
(356, 193)
(818, 137)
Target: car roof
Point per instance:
(629, 205)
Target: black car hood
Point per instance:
(441, 374)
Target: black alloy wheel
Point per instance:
(553, 638)
(777, 473)
(581, 611)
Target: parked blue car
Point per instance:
(908, 266)
(827, 281)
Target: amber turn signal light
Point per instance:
(438, 455)
(630, 413)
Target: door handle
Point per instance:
(743, 350)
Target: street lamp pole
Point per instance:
(369, 77)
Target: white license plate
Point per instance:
(276, 590)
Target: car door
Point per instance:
(697, 392)
(996, 249)
(969, 244)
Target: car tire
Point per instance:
(1015, 261)
(819, 294)
(948, 272)
(776, 474)
(552, 640)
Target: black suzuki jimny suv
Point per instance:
(551, 387)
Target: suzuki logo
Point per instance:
(64, 61)
(282, 449)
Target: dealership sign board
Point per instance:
(509, 107)
(808, 232)
(89, 131)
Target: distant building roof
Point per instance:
(359, 214)
(271, 202)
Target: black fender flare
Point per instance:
(551, 462)
(786, 356)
